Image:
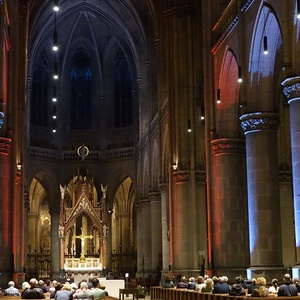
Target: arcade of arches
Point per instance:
(159, 137)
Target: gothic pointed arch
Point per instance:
(227, 110)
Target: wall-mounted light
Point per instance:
(55, 74)
(54, 112)
(265, 45)
(54, 97)
(174, 166)
(55, 42)
(19, 167)
(298, 9)
(202, 118)
(189, 126)
(240, 79)
(54, 126)
(218, 96)
(55, 5)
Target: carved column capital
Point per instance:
(181, 176)
(4, 146)
(259, 121)
(291, 88)
(154, 196)
(162, 188)
(23, 8)
(179, 11)
(228, 145)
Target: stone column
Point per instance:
(155, 232)
(6, 233)
(165, 230)
(146, 238)
(263, 193)
(229, 207)
(292, 92)
(181, 73)
(55, 245)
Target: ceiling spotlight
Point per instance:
(55, 6)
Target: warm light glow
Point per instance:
(189, 126)
(202, 118)
(240, 79)
(265, 45)
(19, 167)
(54, 130)
(218, 96)
(174, 166)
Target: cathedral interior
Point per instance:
(149, 137)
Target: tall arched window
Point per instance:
(39, 93)
(123, 91)
(81, 91)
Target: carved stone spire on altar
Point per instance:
(83, 227)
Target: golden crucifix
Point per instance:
(83, 237)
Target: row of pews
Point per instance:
(159, 293)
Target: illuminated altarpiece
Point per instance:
(83, 229)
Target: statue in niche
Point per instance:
(103, 190)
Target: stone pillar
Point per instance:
(165, 230)
(263, 193)
(6, 259)
(229, 207)
(55, 245)
(155, 232)
(292, 92)
(182, 70)
(146, 264)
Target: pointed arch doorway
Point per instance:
(123, 224)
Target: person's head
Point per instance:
(261, 281)
(253, 281)
(74, 286)
(275, 282)
(287, 278)
(225, 278)
(200, 279)
(41, 282)
(167, 279)
(95, 282)
(221, 279)
(67, 287)
(84, 285)
(11, 284)
(33, 282)
(25, 285)
(48, 282)
(209, 282)
(238, 280)
(215, 279)
(58, 286)
(183, 279)
(192, 279)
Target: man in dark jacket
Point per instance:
(237, 289)
(287, 288)
(33, 292)
(222, 287)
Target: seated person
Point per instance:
(11, 290)
(237, 289)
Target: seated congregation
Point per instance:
(256, 287)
